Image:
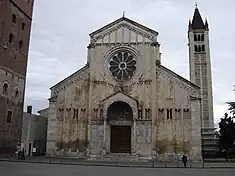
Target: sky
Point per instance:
(60, 36)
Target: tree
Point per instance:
(231, 107)
(227, 134)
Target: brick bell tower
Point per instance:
(200, 65)
(15, 28)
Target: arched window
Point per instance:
(203, 48)
(17, 93)
(199, 48)
(202, 37)
(21, 44)
(195, 37)
(195, 48)
(13, 18)
(11, 38)
(199, 37)
(5, 89)
(9, 116)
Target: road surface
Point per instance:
(35, 169)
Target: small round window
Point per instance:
(122, 65)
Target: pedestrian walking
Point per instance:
(185, 160)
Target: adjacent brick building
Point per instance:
(15, 27)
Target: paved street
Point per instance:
(120, 162)
(31, 169)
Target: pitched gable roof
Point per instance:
(127, 20)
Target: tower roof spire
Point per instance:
(197, 22)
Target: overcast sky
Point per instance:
(60, 37)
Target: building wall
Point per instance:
(92, 90)
(15, 20)
(10, 131)
(34, 133)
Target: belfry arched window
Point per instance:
(199, 48)
(202, 37)
(195, 48)
(195, 37)
(203, 48)
(198, 38)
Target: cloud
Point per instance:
(60, 37)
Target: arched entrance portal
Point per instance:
(120, 132)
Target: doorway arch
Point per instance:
(120, 111)
(120, 134)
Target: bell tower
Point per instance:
(200, 65)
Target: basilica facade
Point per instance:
(124, 101)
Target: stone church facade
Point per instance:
(124, 101)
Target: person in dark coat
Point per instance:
(19, 155)
(185, 160)
(23, 155)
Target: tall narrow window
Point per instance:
(161, 115)
(11, 38)
(101, 113)
(83, 113)
(202, 37)
(170, 113)
(195, 48)
(199, 49)
(146, 114)
(9, 117)
(22, 25)
(5, 89)
(74, 113)
(140, 114)
(198, 37)
(195, 37)
(13, 18)
(95, 113)
(21, 44)
(186, 114)
(203, 48)
(16, 93)
(167, 114)
(77, 114)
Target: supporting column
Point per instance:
(104, 139)
(133, 148)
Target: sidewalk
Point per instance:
(118, 163)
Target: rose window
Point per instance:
(122, 65)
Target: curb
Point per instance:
(131, 165)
